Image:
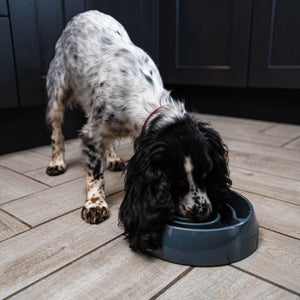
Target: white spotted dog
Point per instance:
(179, 165)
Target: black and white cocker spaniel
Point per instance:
(179, 164)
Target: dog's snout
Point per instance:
(196, 205)
(204, 209)
(199, 211)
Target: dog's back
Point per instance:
(98, 67)
(95, 61)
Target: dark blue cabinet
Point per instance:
(205, 42)
(275, 46)
(36, 26)
(139, 17)
(232, 43)
(8, 86)
(3, 8)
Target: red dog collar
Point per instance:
(149, 117)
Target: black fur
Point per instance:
(151, 183)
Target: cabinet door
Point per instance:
(205, 42)
(275, 47)
(3, 8)
(8, 87)
(139, 18)
(36, 26)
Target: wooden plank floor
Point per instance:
(48, 252)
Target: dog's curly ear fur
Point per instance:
(147, 205)
(218, 182)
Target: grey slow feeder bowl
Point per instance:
(212, 243)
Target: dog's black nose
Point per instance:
(205, 211)
(201, 211)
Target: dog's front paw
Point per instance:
(94, 215)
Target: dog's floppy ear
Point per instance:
(218, 182)
(147, 205)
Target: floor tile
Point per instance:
(135, 276)
(42, 250)
(294, 144)
(14, 185)
(286, 130)
(75, 169)
(70, 145)
(9, 226)
(23, 161)
(40, 207)
(223, 283)
(276, 259)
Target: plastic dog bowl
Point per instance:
(223, 240)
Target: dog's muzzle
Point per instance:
(196, 205)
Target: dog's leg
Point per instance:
(57, 93)
(113, 162)
(95, 209)
(57, 163)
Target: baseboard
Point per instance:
(25, 128)
(276, 105)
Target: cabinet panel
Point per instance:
(193, 21)
(3, 8)
(72, 8)
(205, 42)
(275, 55)
(27, 56)
(8, 87)
(36, 26)
(139, 18)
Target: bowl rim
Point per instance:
(241, 221)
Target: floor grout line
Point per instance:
(31, 227)
(21, 197)
(15, 235)
(267, 128)
(266, 196)
(263, 173)
(290, 141)
(24, 174)
(281, 233)
(265, 280)
(67, 181)
(172, 282)
(259, 143)
(47, 188)
(73, 210)
(16, 218)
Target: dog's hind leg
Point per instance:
(58, 93)
(113, 161)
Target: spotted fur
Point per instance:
(97, 67)
(116, 83)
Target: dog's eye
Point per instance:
(203, 176)
(182, 183)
